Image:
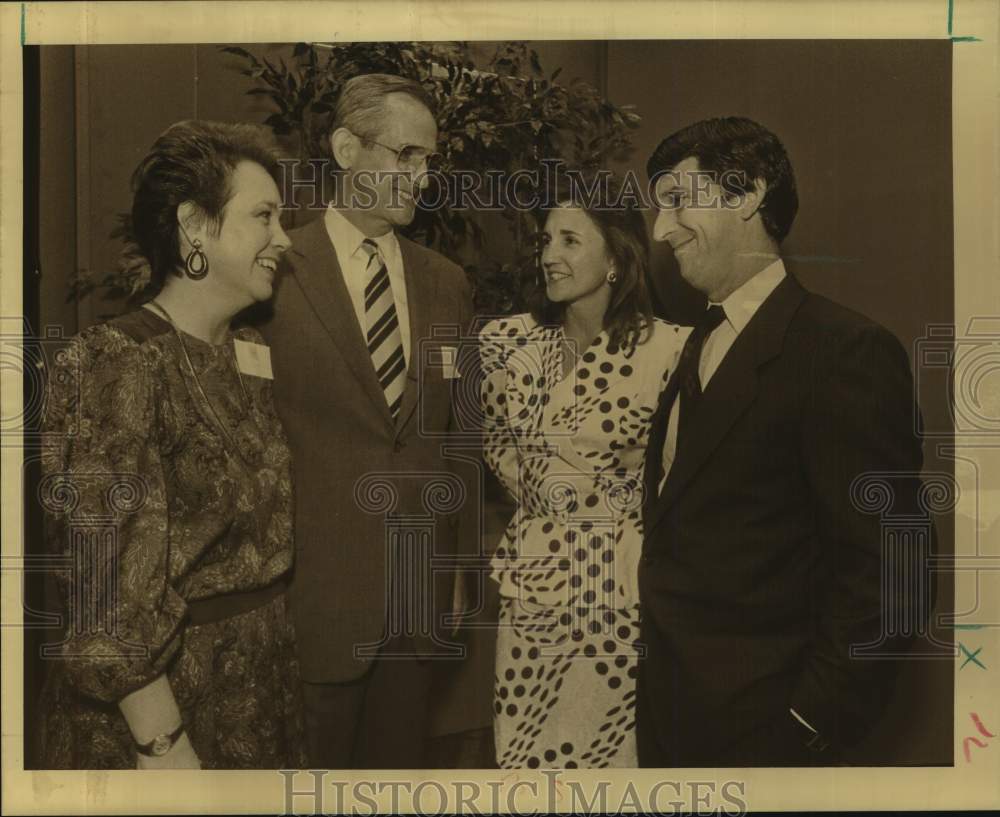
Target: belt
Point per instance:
(228, 605)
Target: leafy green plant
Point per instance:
(506, 116)
(124, 284)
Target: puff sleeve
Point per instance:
(105, 499)
(499, 440)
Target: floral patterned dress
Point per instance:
(570, 450)
(154, 518)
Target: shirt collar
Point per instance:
(347, 239)
(743, 304)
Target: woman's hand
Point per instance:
(180, 756)
(150, 711)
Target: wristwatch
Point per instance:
(161, 744)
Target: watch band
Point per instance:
(161, 744)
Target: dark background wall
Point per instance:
(867, 125)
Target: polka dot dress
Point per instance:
(570, 450)
(564, 695)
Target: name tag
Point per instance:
(254, 359)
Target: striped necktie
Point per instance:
(385, 341)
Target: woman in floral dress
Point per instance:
(568, 393)
(168, 487)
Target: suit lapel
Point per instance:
(731, 390)
(319, 274)
(421, 293)
(652, 470)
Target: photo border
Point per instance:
(972, 25)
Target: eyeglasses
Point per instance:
(410, 157)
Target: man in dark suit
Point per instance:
(760, 567)
(363, 332)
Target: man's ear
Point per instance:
(754, 199)
(344, 148)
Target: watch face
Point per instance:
(161, 745)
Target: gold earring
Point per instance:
(196, 263)
(612, 276)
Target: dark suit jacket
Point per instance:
(758, 570)
(341, 431)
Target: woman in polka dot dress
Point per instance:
(568, 394)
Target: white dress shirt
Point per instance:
(739, 307)
(353, 260)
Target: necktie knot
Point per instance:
(712, 317)
(371, 248)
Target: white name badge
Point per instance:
(254, 359)
(448, 357)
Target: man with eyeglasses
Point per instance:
(364, 336)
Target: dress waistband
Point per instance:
(229, 605)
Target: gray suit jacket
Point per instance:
(376, 503)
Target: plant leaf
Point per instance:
(239, 52)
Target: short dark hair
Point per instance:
(192, 160)
(739, 151)
(361, 105)
(599, 194)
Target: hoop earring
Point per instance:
(196, 263)
(612, 276)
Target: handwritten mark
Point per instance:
(965, 747)
(970, 740)
(979, 725)
(951, 17)
(971, 656)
